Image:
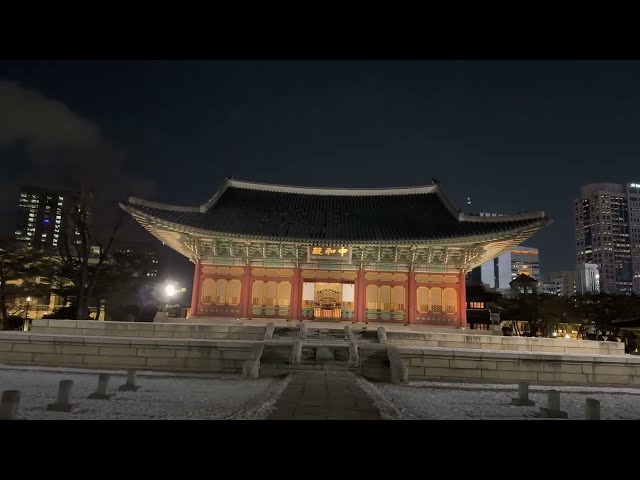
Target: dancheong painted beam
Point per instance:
(381, 255)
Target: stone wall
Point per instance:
(148, 330)
(494, 342)
(164, 354)
(543, 368)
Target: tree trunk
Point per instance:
(98, 308)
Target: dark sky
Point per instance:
(513, 135)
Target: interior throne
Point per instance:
(328, 304)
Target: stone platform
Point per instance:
(408, 335)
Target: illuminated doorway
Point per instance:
(328, 301)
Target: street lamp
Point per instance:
(25, 325)
(170, 290)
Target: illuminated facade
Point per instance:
(607, 219)
(396, 255)
(40, 216)
(500, 271)
(587, 278)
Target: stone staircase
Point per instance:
(325, 349)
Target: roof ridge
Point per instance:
(347, 191)
(465, 217)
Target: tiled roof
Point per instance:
(265, 211)
(523, 278)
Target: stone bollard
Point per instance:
(303, 329)
(591, 409)
(9, 404)
(101, 393)
(130, 386)
(296, 352)
(64, 393)
(354, 356)
(523, 396)
(382, 335)
(268, 332)
(553, 406)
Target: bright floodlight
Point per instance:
(28, 299)
(170, 290)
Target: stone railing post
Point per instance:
(348, 332)
(303, 329)
(268, 332)
(382, 335)
(296, 351)
(399, 373)
(354, 356)
(251, 368)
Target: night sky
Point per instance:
(512, 135)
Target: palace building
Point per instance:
(396, 255)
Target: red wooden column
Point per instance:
(296, 294)
(195, 292)
(462, 299)
(411, 298)
(245, 294)
(361, 298)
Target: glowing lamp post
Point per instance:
(25, 325)
(170, 290)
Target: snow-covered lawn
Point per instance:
(161, 396)
(211, 397)
(464, 401)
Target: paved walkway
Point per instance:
(324, 395)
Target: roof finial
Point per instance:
(435, 181)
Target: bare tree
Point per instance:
(83, 250)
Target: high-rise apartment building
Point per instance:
(607, 220)
(40, 216)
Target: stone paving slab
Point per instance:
(324, 395)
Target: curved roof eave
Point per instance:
(451, 239)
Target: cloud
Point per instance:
(44, 123)
(61, 147)
(54, 135)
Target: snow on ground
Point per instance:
(465, 401)
(214, 397)
(161, 396)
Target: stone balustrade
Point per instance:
(535, 367)
(518, 344)
(164, 354)
(149, 330)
